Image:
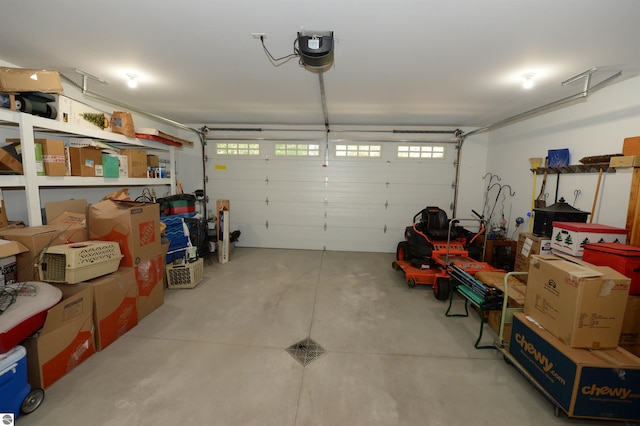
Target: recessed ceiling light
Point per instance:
(528, 80)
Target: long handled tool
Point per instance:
(595, 198)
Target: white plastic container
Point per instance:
(570, 237)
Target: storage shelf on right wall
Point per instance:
(576, 168)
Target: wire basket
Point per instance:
(187, 275)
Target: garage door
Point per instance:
(337, 194)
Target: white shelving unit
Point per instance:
(31, 127)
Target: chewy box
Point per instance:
(598, 384)
(581, 304)
(570, 237)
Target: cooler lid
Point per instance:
(590, 227)
(614, 248)
(14, 355)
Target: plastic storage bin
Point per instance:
(621, 257)
(16, 396)
(571, 237)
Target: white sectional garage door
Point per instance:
(359, 200)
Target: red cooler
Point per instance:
(621, 257)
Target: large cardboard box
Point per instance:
(136, 226)
(70, 111)
(630, 333)
(8, 265)
(66, 339)
(581, 304)
(66, 212)
(598, 384)
(150, 280)
(115, 308)
(29, 80)
(136, 162)
(35, 239)
(85, 161)
(53, 155)
(528, 245)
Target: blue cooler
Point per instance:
(16, 395)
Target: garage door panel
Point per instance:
(246, 190)
(247, 211)
(301, 170)
(359, 239)
(303, 237)
(408, 172)
(225, 168)
(295, 214)
(356, 216)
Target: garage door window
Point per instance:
(297, 150)
(237, 149)
(358, 150)
(421, 151)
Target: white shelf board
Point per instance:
(12, 181)
(86, 181)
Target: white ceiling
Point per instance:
(397, 62)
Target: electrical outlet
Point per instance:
(258, 35)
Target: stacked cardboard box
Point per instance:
(581, 304)
(136, 227)
(529, 245)
(115, 305)
(35, 239)
(598, 384)
(66, 339)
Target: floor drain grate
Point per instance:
(305, 351)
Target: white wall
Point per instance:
(594, 126)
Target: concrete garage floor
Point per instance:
(215, 355)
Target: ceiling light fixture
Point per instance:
(528, 80)
(133, 81)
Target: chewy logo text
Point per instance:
(538, 356)
(594, 390)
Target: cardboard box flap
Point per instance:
(76, 301)
(11, 248)
(574, 268)
(56, 208)
(69, 218)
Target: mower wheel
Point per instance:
(401, 251)
(411, 283)
(442, 288)
(32, 401)
(395, 266)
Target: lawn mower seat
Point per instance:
(435, 223)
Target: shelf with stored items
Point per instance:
(575, 168)
(27, 128)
